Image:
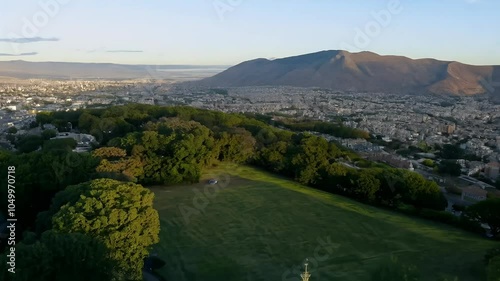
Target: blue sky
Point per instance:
(226, 32)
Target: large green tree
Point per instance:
(114, 164)
(366, 185)
(422, 193)
(309, 156)
(451, 151)
(29, 143)
(66, 144)
(273, 156)
(487, 212)
(237, 145)
(119, 214)
(12, 130)
(44, 173)
(450, 167)
(65, 256)
(48, 134)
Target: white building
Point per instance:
(474, 193)
(81, 139)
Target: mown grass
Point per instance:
(259, 226)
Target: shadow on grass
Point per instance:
(159, 277)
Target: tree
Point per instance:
(33, 124)
(422, 145)
(430, 196)
(44, 174)
(124, 169)
(450, 167)
(29, 143)
(414, 184)
(65, 256)
(391, 187)
(308, 157)
(66, 144)
(450, 151)
(87, 121)
(429, 163)
(48, 134)
(119, 214)
(487, 212)
(44, 117)
(367, 185)
(11, 138)
(237, 146)
(12, 130)
(273, 156)
(109, 153)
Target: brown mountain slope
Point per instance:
(364, 72)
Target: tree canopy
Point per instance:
(100, 194)
(119, 214)
(65, 256)
(487, 212)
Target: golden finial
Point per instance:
(306, 275)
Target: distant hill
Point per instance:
(68, 70)
(364, 72)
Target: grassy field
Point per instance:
(258, 226)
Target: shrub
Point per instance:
(429, 163)
(470, 225)
(440, 216)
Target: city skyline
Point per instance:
(223, 32)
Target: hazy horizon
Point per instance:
(204, 66)
(224, 66)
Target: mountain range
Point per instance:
(70, 70)
(337, 70)
(361, 72)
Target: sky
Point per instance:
(227, 32)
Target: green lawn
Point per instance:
(261, 227)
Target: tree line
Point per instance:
(173, 145)
(63, 194)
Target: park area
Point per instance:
(255, 226)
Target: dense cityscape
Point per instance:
(472, 123)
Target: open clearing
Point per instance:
(259, 226)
